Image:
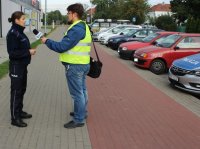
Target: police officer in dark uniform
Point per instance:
(19, 50)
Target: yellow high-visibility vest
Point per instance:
(79, 54)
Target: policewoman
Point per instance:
(74, 51)
(19, 50)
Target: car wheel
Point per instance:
(158, 66)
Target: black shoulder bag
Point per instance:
(95, 66)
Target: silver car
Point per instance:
(185, 74)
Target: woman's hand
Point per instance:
(32, 51)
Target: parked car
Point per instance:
(185, 73)
(95, 35)
(159, 58)
(115, 41)
(104, 39)
(114, 30)
(127, 50)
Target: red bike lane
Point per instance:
(127, 112)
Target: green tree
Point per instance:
(64, 19)
(183, 9)
(121, 9)
(179, 9)
(193, 25)
(166, 22)
(54, 15)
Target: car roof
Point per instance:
(188, 34)
(166, 32)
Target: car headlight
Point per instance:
(124, 48)
(196, 72)
(111, 40)
(144, 55)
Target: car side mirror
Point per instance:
(121, 34)
(176, 48)
(134, 36)
(154, 43)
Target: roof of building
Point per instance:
(161, 7)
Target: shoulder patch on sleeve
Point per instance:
(14, 32)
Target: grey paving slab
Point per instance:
(48, 99)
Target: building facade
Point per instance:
(159, 10)
(31, 8)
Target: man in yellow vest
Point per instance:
(74, 51)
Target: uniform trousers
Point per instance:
(18, 76)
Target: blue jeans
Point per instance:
(76, 79)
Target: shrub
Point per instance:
(166, 22)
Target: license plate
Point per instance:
(135, 59)
(173, 77)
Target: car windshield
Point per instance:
(169, 41)
(150, 37)
(129, 31)
(161, 39)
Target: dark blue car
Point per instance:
(115, 41)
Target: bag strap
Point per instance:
(95, 51)
(93, 43)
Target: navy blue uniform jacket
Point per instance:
(18, 45)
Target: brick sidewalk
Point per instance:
(126, 112)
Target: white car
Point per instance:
(115, 29)
(104, 39)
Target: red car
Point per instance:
(159, 58)
(126, 50)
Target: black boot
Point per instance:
(25, 115)
(18, 123)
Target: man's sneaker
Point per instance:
(73, 124)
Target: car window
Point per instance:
(189, 42)
(129, 32)
(150, 37)
(151, 32)
(169, 41)
(141, 33)
(161, 39)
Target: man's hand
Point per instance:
(43, 39)
(32, 51)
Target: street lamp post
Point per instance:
(45, 19)
(90, 11)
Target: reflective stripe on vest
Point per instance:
(83, 44)
(79, 54)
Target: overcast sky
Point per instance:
(62, 4)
